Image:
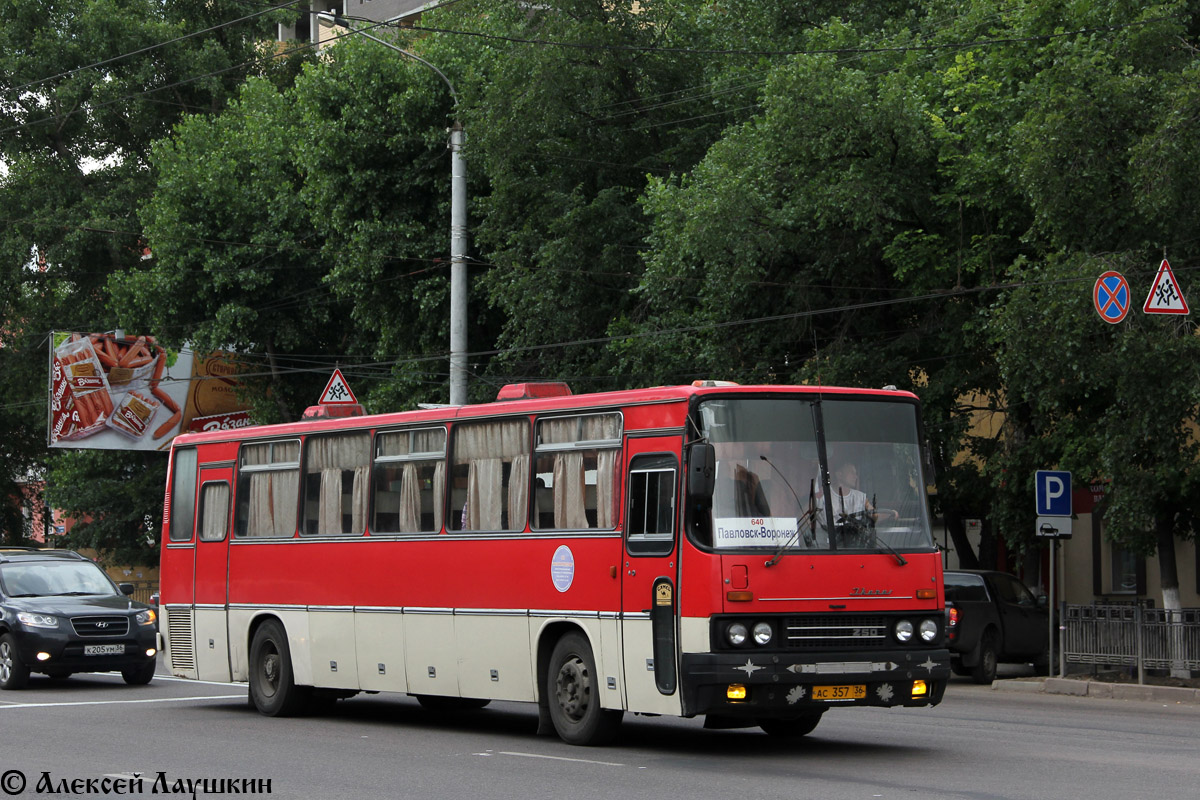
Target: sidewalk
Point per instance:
(1089, 688)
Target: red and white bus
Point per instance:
(657, 551)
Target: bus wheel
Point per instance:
(272, 688)
(792, 728)
(435, 702)
(573, 692)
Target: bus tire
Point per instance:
(273, 689)
(792, 728)
(573, 692)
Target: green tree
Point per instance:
(82, 96)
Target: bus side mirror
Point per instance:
(701, 470)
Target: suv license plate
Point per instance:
(854, 691)
(104, 649)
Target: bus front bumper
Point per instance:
(782, 685)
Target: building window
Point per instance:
(1123, 568)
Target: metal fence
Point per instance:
(142, 589)
(1131, 636)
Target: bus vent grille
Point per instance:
(836, 631)
(179, 638)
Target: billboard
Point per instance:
(109, 391)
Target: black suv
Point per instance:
(61, 614)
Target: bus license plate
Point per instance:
(104, 649)
(854, 691)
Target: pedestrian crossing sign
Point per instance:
(1165, 295)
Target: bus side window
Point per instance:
(336, 469)
(650, 524)
(575, 466)
(409, 481)
(268, 489)
(183, 495)
(490, 477)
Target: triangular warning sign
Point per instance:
(1165, 295)
(337, 391)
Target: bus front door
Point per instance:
(649, 596)
(213, 515)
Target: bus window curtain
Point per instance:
(360, 497)
(439, 494)
(518, 492)
(329, 511)
(333, 456)
(273, 497)
(214, 513)
(485, 485)
(410, 499)
(606, 494)
(570, 494)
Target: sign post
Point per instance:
(1053, 506)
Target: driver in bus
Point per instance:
(854, 515)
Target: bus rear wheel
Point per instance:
(573, 693)
(273, 689)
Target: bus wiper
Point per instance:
(808, 516)
(880, 542)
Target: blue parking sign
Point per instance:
(1053, 490)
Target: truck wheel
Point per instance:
(985, 670)
(573, 691)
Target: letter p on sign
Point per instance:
(1053, 493)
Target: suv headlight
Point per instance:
(146, 617)
(37, 620)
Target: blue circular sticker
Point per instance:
(562, 568)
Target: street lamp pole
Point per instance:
(458, 227)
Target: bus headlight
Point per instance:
(929, 630)
(736, 634)
(904, 631)
(762, 633)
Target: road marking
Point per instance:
(561, 758)
(124, 702)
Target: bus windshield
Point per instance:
(816, 475)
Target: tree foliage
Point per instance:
(916, 193)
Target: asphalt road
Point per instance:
(977, 744)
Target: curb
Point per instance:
(1112, 691)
